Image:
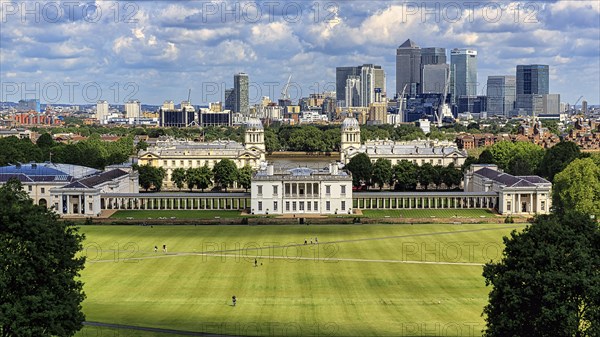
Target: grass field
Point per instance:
(428, 213)
(359, 280)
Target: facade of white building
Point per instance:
(301, 191)
(516, 194)
(419, 152)
(172, 154)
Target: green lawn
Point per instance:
(386, 280)
(429, 213)
(179, 214)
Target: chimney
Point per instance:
(333, 169)
(270, 169)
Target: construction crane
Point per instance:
(284, 92)
(575, 105)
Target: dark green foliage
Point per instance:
(225, 173)
(361, 168)
(151, 177)
(557, 158)
(548, 281)
(405, 175)
(244, 177)
(178, 177)
(14, 150)
(40, 291)
(426, 175)
(382, 172)
(141, 146)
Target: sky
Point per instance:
(78, 52)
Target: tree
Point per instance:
(405, 175)
(557, 158)
(225, 173)
(40, 290)
(548, 280)
(178, 177)
(523, 165)
(361, 168)
(45, 141)
(244, 177)
(577, 187)
(205, 176)
(451, 176)
(425, 175)
(192, 176)
(142, 145)
(150, 176)
(382, 172)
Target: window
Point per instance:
(439, 162)
(91, 206)
(29, 187)
(173, 162)
(316, 205)
(543, 206)
(343, 205)
(343, 189)
(43, 190)
(327, 205)
(181, 162)
(259, 188)
(308, 205)
(274, 206)
(260, 205)
(508, 205)
(293, 206)
(301, 204)
(275, 189)
(287, 189)
(287, 206)
(327, 189)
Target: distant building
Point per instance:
(301, 191)
(27, 105)
(533, 81)
(418, 152)
(408, 68)
(133, 109)
(171, 154)
(433, 56)
(353, 91)
(229, 99)
(241, 85)
(463, 70)
(472, 104)
(369, 77)
(207, 117)
(551, 104)
(435, 77)
(101, 110)
(501, 95)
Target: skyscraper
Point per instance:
(240, 88)
(408, 68)
(501, 95)
(133, 109)
(376, 80)
(101, 110)
(352, 91)
(435, 77)
(229, 99)
(463, 68)
(433, 56)
(532, 80)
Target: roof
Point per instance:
(97, 179)
(409, 44)
(510, 180)
(45, 172)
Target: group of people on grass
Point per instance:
(164, 248)
(311, 241)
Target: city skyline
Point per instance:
(157, 51)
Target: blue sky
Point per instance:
(82, 51)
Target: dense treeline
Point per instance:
(404, 176)
(92, 152)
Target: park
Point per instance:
(387, 280)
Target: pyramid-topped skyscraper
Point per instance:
(408, 68)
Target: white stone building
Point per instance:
(172, 154)
(301, 191)
(419, 151)
(516, 194)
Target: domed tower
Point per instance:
(350, 136)
(254, 138)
